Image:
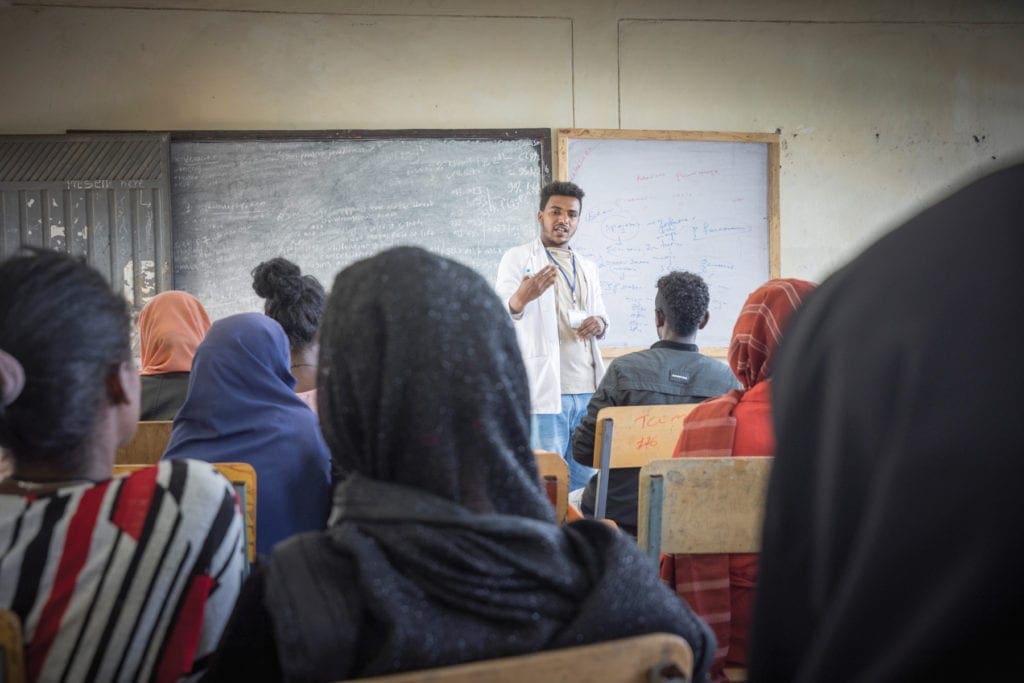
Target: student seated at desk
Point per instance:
(442, 546)
(670, 372)
(296, 302)
(171, 327)
(112, 579)
(241, 408)
(893, 524)
(721, 587)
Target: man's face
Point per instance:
(558, 220)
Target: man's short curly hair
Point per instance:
(683, 298)
(562, 189)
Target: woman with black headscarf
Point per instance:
(892, 540)
(441, 546)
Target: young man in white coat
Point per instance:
(554, 298)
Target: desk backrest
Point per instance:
(631, 436)
(639, 434)
(12, 648)
(702, 505)
(148, 444)
(641, 659)
(243, 478)
(554, 475)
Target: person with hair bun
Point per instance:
(296, 302)
(130, 578)
(171, 326)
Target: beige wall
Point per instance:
(878, 106)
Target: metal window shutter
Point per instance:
(105, 197)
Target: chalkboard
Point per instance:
(327, 199)
(658, 201)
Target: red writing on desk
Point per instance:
(652, 421)
(646, 442)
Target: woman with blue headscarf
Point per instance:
(241, 407)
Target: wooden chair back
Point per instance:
(12, 648)
(702, 505)
(148, 444)
(243, 477)
(632, 436)
(554, 475)
(657, 657)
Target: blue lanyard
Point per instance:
(571, 283)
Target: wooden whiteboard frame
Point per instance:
(772, 140)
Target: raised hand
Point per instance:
(531, 288)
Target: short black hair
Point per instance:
(683, 298)
(561, 188)
(294, 300)
(65, 325)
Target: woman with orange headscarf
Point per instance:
(171, 326)
(720, 588)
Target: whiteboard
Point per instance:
(656, 205)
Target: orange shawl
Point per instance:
(171, 326)
(710, 431)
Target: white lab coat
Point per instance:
(537, 326)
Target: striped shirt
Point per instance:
(128, 579)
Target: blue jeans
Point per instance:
(553, 432)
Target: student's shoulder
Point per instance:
(716, 371)
(635, 357)
(645, 364)
(712, 364)
(200, 477)
(657, 356)
(196, 488)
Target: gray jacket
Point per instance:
(667, 373)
